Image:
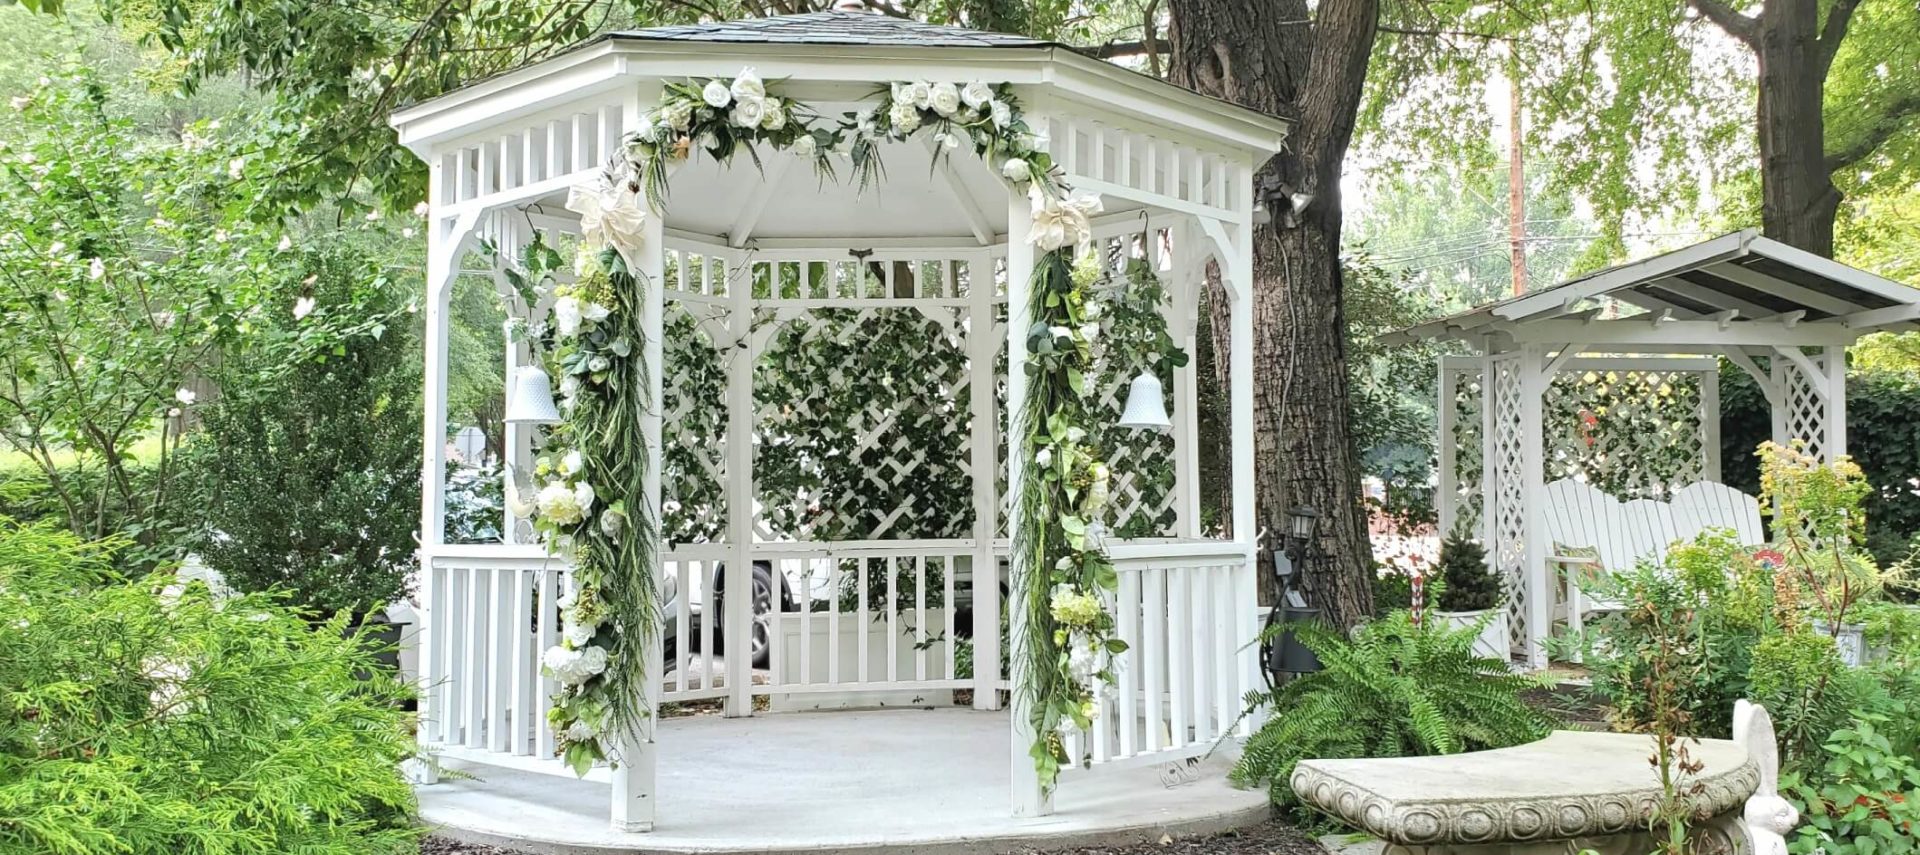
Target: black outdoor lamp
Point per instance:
(1280, 647)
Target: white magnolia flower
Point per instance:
(185, 396)
(579, 634)
(583, 496)
(571, 463)
(559, 504)
(1002, 114)
(1016, 170)
(594, 313)
(1062, 222)
(805, 145)
(610, 215)
(776, 116)
(716, 94)
(905, 117)
(96, 269)
(747, 113)
(302, 307)
(747, 86)
(567, 317)
(944, 98)
(976, 95)
(919, 94)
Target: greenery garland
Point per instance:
(1059, 558)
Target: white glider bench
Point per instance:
(1621, 534)
(1573, 790)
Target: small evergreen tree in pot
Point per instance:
(307, 467)
(1467, 584)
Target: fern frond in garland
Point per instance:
(1393, 689)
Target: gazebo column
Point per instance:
(1028, 798)
(1535, 376)
(983, 443)
(635, 779)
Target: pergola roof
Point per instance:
(1735, 279)
(832, 28)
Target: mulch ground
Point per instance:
(1272, 838)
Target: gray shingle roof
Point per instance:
(833, 28)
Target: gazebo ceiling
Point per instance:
(1735, 279)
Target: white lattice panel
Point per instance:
(1803, 410)
(1510, 490)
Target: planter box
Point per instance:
(1851, 640)
(1494, 641)
(849, 693)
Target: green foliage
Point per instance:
(1393, 388)
(1864, 799)
(306, 470)
(1883, 437)
(1468, 582)
(1391, 690)
(143, 723)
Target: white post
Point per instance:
(1836, 410)
(635, 781)
(1239, 274)
(1447, 495)
(738, 621)
(1710, 423)
(1028, 798)
(1184, 292)
(982, 347)
(1534, 381)
(1782, 372)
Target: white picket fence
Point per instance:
(1185, 609)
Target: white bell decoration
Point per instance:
(1146, 408)
(532, 400)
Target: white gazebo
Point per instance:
(867, 592)
(1612, 379)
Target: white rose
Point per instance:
(905, 117)
(944, 98)
(747, 113)
(1002, 114)
(593, 660)
(571, 464)
(611, 522)
(594, 313)
(919, 94)
(776, 115)
(578, 634)
(1017, 170)
(716, 94)
(1044, 457)
(567, 317)
(805, 145)
(747, 86)
(583, 496)
(900, 91)
(976, 95)
(558, 504)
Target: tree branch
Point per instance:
(1835, 31)
(1741, 27)
(1135, 48)
(1409, 31)
(1891, 120)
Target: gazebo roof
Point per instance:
(1735, 279)
(832, 28)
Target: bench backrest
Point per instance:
(1623, 533)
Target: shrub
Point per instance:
(133, 721)
(1391, 690)
(1467, 583)
(308, 470)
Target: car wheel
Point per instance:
(763, 611)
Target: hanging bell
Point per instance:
(1146, 405)
(532, 400)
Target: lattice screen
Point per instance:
(1509, 552)
(1631, 433)
(694, 401)
(1804, 415)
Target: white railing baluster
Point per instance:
(474, 672)
(521, 611)
(1128, 664)
(860, 643)
(498, 648)
(583, 142)
(1153, 657)
(1225, 651)
(548, 636)
(920, 617)
(1179, 653)
(951, 606)
(682, 624)
(556, 148)
(833, 620)
(805, 597)
(1200, 607)
(709, 616)
(893, 632)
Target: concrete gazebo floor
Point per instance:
(882, 781)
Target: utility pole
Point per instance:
(1516, 185)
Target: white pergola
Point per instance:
(1657, 329)
(945, 237)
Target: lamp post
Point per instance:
(1280, 647)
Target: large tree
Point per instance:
(1285, 58)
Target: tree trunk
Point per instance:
(1263, 55)
(1798, 201)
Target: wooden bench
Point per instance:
(1570, 791)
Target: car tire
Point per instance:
(764, 592)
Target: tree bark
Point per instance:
(1261, 54)
(1798, 200)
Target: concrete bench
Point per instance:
(1594, 790)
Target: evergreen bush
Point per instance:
(307, 470)
(1467, 584)
(144, 722)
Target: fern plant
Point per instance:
(1391, 689)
